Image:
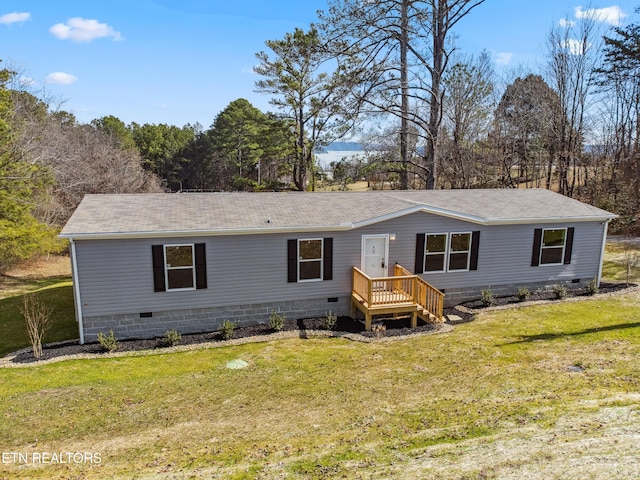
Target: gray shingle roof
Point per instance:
(229, 213)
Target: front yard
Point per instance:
(527, 389)
(546, 391)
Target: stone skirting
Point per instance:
(456, 296)
(140, 325)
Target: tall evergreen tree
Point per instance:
(236, 138)
(305, 91)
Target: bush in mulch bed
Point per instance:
(394, 327)
(545, 294)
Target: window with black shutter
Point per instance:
(446, 252)
(179, 267)
(552, 246)
(309, 259)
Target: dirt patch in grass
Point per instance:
(35, 274)
(597, 443)
(42, 267)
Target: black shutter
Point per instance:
(537, 242)
(475, 243)
(327, 254)
(157, 254)
(568, 248)
(292, 261)
(420, 240)
(201, 265)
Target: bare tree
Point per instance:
(444, 15)
(37, 317)
(370, 39)
(468, 107)
(397, 52)
(573, 55)
(78, 159)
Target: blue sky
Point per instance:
(178, 62)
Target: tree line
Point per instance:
(388, 74)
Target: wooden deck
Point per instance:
(401, 294)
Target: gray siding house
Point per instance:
(143, 264)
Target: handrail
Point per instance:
(430, 298)
(401, 288)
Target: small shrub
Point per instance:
(108, 342)
(276, 321)
(631, 260)
(37, 317)
(592, 287)
(487, 298)
(226, 329)
(171, 338)
(523, 294)
(329, 321)
(560, 291)
(379, 329)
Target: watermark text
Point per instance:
(50, 458)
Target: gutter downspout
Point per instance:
(604, 241)
(76, 289)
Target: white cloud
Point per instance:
(575, 47)
(503, 58)
(15, 17)
(611, 15)
(564, 23)
(61, 78)
(83, 30)
(26, 82)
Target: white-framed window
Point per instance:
(552, 246)
(179, 267)
(459, 251)
(310, 259)
(435, 247)
(447, 252)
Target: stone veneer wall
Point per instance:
(132, 325)
(128, 326)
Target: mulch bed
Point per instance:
(394, 328)
(547, 294)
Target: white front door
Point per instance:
(375, 255)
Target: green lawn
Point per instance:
(616, 259)
(57, 293)
(326, 408)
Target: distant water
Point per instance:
(325, 159)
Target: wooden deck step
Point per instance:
(401, 294)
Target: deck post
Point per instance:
(414, 319)
(367, 321)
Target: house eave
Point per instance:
(535, 221)
(329, 228)
(202, 233)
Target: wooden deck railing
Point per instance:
(427, 296)
(403, 287)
